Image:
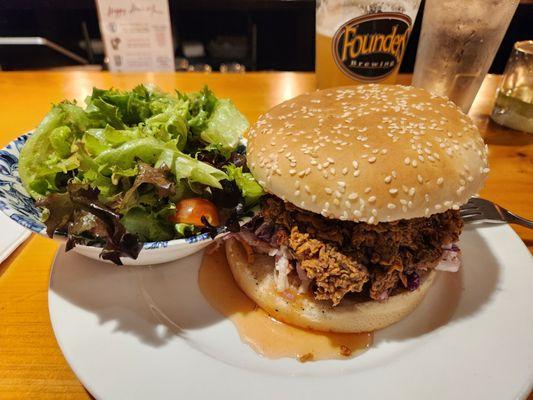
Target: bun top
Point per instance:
(369, 153)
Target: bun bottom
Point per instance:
(302, 310)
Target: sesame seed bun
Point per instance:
(302, 310)
(369, 153)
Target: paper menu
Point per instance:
(136, 34)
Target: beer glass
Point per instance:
(361, 41)
(457, 45)
(514, 100)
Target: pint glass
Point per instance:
(457, 45)
(361, 41)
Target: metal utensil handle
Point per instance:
(515, 219)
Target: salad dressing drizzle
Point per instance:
(264, 334)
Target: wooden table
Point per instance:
(31, 364)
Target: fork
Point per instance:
(482, 210)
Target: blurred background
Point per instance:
(260, 35)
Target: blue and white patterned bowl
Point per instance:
(18, 205)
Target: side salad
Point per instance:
(139, 166)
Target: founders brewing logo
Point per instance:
(370, 47)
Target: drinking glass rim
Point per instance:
(524, 46)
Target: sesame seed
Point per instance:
(371, 220)
(357, 213)
(352, 196)
(388, 179)
(412, 191)
(344, 171)
(355, 164)
(297, 193)
(348, 204)
(420, 179)
(372, 160)
(356, 173)
(440, 181)
(331, 160)
(337, 194)
(313, 198)
(407, 160)
(368, 189)
(292, 171)
(393, 190)
(341, 183)
(438, 207)
(328, 190)
(391, 206)
(372, 199)
(336, 202)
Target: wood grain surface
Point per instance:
(31, 364)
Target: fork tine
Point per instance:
(470, 215)
(467, 207)
(472, 218)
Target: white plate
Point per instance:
(147, 333)
(12, 236)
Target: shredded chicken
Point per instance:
(334, 258)
(333, 273)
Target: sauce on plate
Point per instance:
(264, 334)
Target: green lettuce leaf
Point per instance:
(120, 108)
(126, 155)
(201, 106)
(147, 225)
(186, 167)
(225, 127)
(250, 189)
(47, 153)
(170, 124)
(185, 230)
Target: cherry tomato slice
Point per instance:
(190, 211)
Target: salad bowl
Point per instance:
(136, 176)
(17, 204)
